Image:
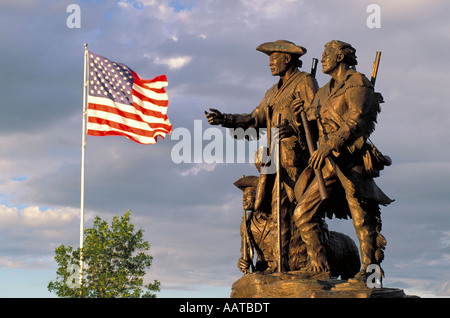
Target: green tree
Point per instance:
(114, 263)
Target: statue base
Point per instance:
(295, 285)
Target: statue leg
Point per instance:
(307, 221)
(367, 223)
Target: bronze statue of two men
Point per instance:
(339, 117)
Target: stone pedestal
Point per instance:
(294, 285)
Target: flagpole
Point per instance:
(83, 147)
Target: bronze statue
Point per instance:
(345, 110)
(275, 110)
(336, 179)
(283, 226)
(258, 232)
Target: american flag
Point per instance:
(121, 103)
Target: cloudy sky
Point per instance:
(191, 211)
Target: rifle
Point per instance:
(278, 160)
(314, 67)
(311, 144)
(381, 159)
(376, 63)
(245, 239)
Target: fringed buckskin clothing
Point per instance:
(294, 155)
(277, 101)
(346, 114)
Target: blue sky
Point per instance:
(191, 211)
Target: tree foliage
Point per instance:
(114, 263)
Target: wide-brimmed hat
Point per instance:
(281, 46)
(247, 182)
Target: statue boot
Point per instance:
(317, 264)
(372, 242)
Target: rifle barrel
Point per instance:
(279, 238)
(376, 63)
(318, 172)
(314, 67)
(244, 238)
(312, 145)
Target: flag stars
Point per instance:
(110, 80)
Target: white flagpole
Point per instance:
(83, 147)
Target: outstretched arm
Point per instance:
(215, 117)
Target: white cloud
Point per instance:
(424, 288)
(34, 217)
(31, 234)
(197, 168)
(174, 63)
